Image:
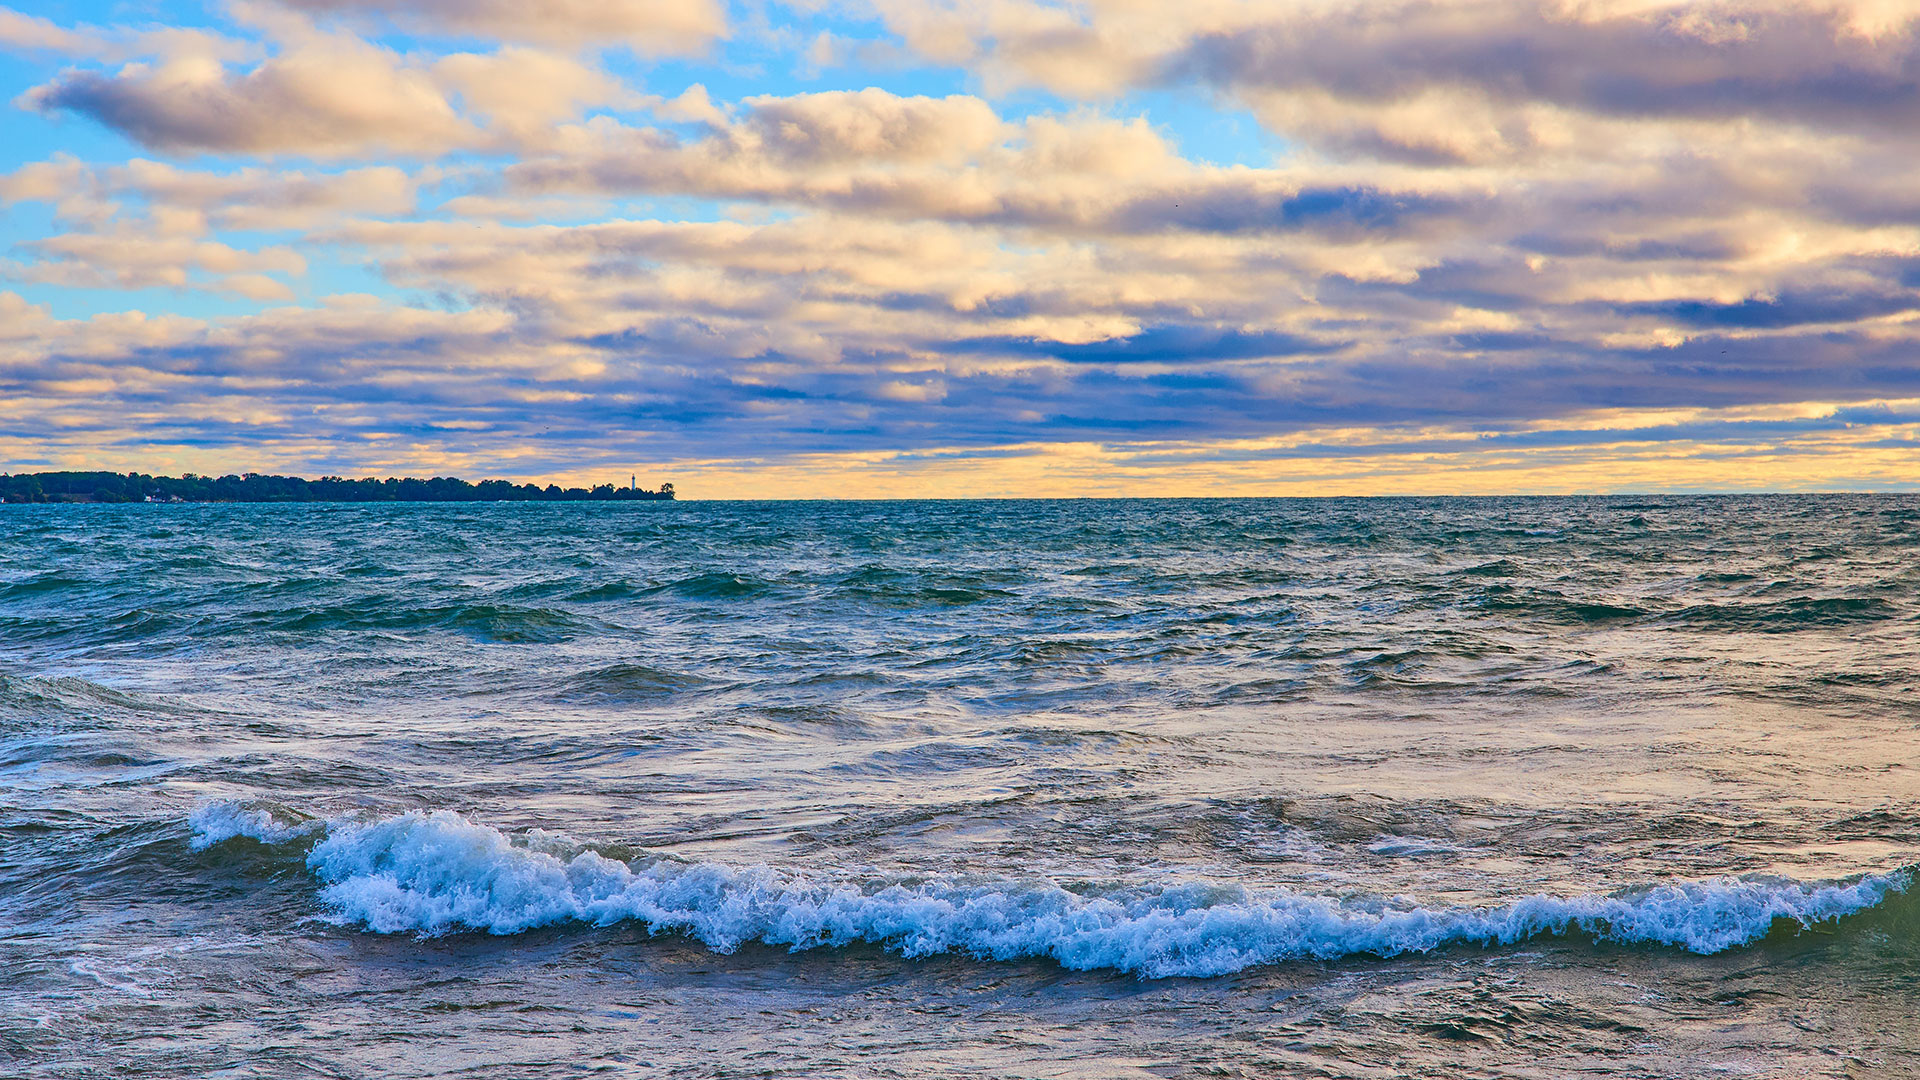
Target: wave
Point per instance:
(499, 623)
(70, 705)
(217, 823)
(1800, 612)
(437, 872)
(41, 585)
(713, 586)
(1554, 607)
(624, 684)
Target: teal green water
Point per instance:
(1336, 788)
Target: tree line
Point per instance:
(106, 487)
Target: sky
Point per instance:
(904, 248)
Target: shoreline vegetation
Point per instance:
(107, 487)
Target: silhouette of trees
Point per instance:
(106, 487)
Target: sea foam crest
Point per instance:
(432, 873)
(217, 823)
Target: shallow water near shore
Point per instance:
(1542, 787)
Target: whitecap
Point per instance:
(437, 872)
(218, 822)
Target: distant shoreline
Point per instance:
(107, 487)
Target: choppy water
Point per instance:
(1348, 788)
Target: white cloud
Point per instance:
(334, 95)
(325, 94)
(646, 26)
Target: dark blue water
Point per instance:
(1333, 788)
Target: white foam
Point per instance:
(431, 873)
(216, 823)
(119, 978)
(1405, 846)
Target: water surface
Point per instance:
(1334, 788)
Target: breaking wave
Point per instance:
(437, 872)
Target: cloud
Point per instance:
(953, 159)
(1763, 60)
(647, 26)
(45, 181)
(867, 125)
(1175, 344)
(363, 386)
(1457, 81)
(522, 92)
(331, 95)
(146, 224)
(32, 33)
(129, 259)
(328, 95)
(257, 199)
(20, 320)
(1791, 310)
